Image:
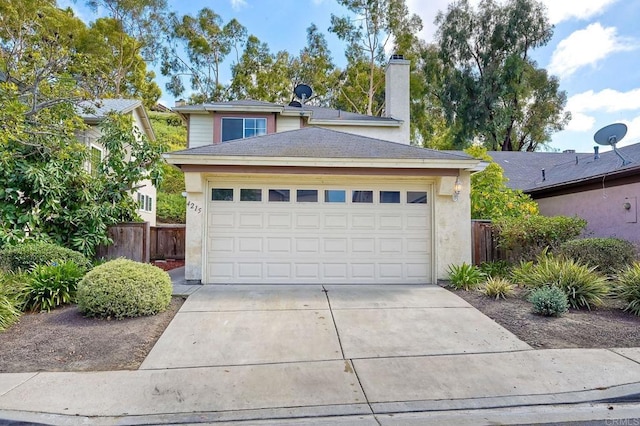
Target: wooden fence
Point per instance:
(168, 242)
(140, 242)
(484, 243)
(130, 240)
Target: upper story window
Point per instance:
(239, 128)
(94, 160)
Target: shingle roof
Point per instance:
(99, 109)
(316, 142)
(524, 169)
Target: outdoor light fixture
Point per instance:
(457, 188)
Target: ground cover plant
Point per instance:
(549, 301)
(583, 285)
(465, 276)
(627, 288)
(498, 288)
(52, 285)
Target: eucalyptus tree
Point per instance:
(493, 91)
(374, 28)
(198, 46)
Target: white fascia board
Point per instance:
(417, 163)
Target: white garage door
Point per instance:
(329, 234)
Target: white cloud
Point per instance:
(587, 47)
(607, 100)
(238, 4)
(427, 11)
(580, 122)
(633, 131)
(563, 10)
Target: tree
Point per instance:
(314, 67)
(378, 24)
(207, 43)
(491, 199)
(108, 46)
(46, 192)
(261, 75)
(131, 31)
(493, 91)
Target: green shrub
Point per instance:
(526, 237)
(549, 301)
(465, 277)
(52, 285)
(10, 303)
(583, 286)
(171, 208)
(498, 288)
(123, 288)
(628, 288)
(26, 256)
(498, 268)
(520, 274)
(608, 255)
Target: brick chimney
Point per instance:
(396, 95)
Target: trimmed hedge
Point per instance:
(28, 255)
(123, 288)
(607, 255)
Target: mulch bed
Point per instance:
(607, 326)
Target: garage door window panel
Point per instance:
(307, 195)
(362, 197)
(251, 195)
(279, 195)
(335, 196)
(389, 197)
(222, 194)
(416, 197)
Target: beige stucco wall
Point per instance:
(450, 221)
(452, 224)
(603, 209)
(285, 123)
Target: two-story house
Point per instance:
(305, 194)
(95, 113)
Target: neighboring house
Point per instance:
(315, 195)
(145, 194)
(596, 187)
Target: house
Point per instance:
(595, 186)
(94, 114)
(288, 194)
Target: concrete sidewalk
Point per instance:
(357, 355)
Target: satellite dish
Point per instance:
(611, 135)
(295, 104)
(303, 92)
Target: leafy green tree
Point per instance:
(493, 91)
(491, 199)
(207, 42)
(130, 33)
(46, 192)
(108, 46)
(261, 75)
(373, 27)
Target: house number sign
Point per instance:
(193, 206)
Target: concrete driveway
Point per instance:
(249, 325)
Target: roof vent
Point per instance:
(569, 151)
(544, 175)
(596, 154)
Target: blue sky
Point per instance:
(595, 51)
